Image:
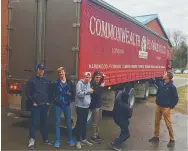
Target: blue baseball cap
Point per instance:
(40, 66)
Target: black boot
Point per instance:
(171, 143)
(154, 140)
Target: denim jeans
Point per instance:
(42, 112)
(67, 114)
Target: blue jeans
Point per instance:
(67, 114)
(42, 112)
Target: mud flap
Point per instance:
(107, 99)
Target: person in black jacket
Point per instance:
(166, 99)
(39, 95)
(96, 83)
(121, 115)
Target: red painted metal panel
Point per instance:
(121, 49)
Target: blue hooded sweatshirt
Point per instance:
(122, 112)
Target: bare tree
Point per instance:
(177, 37)
(180, 49)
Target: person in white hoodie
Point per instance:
(82, 102)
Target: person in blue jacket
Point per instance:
(63, 95)
(39, 94)
(166, 100)
(121, 115)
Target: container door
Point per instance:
(21, 38)
(61, 36)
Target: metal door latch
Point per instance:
(75, 48)
(77, 1)
(76, 25)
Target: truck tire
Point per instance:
(131, 98)
(146, 91)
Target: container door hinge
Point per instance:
(75, 49)
(9, 48)
(10, 7)
(9, 27)
(77, 1)
(76, 25)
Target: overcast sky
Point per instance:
(172, 13)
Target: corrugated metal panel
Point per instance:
(126, 16)
(132, 19)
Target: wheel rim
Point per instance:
(132, 101)
(147, 92)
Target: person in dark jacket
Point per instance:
(63, 96)
(121, 115)
(96, 83)
(39, 95)
(166, 100)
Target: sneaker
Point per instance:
(154, 140)
(71, 142)
(95, 140)
(57, 144)
(99, 138)
(171, 143)
(78, 145)
(47, 142)
(128, 137)
(116, 148)
(31, 144)
(86, 142)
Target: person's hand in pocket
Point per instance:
(34, 104)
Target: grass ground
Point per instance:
(182, 75)
(182, 105)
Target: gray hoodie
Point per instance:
(82, 98)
